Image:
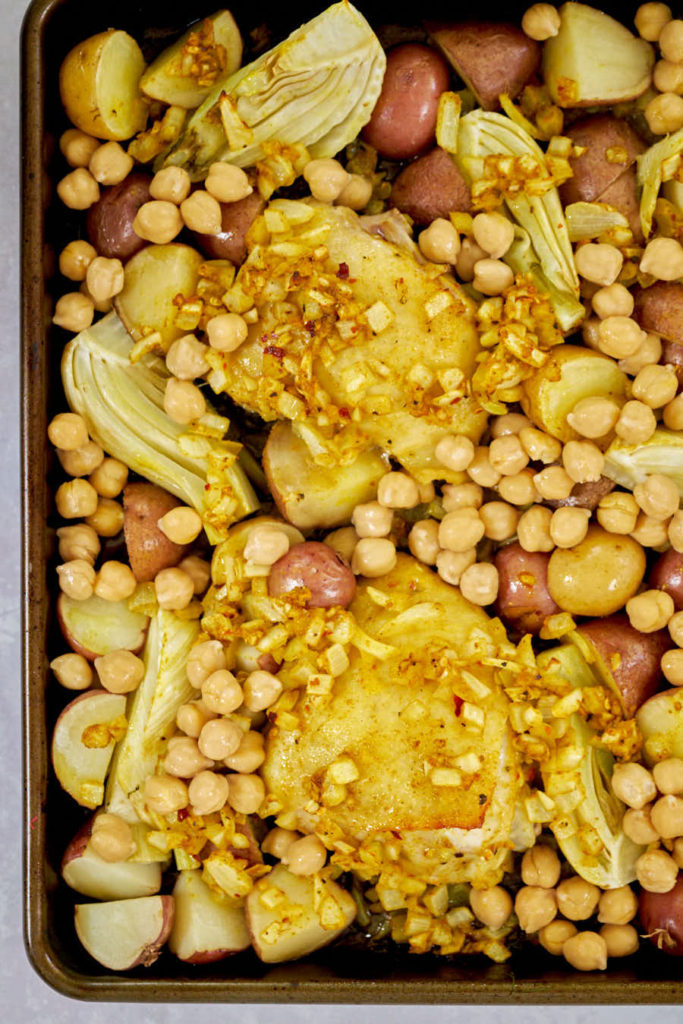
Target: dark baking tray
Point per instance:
(343, 973)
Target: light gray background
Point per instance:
(23, 996)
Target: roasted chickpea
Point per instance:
(278, 841)
(518, 489)
(158, 221)
(397, 490)
(533, 529)
(78, 190)
(81, 461)
(423, 541)
(208, 792)
(115, 581)
(617, 906)
(656, 871)
(199, 571)
(657, 496)
(227, 331)
(305, 856)
(461, 529)
(72, 671)
(174, 589)
(650, 610)
(246, 795)
(555, 934)
(663, 257)
(675, 531)
(664, 114)
(541, 22)
(668, 776)
(617, 512)
(343, 541)
(77, 148)
(577, 899)
(440, 242)
(373, 556)
(540, 867)
(250, 754)
(479, 583)
(672, 414)
(470, 254)
(227, 183)
(186, 358)
(181, 525)
(493, 233)
(184, 759)
(221, 692)
(586, 951)
(183, 401)
(326, 179)
(120, 671)
(219, 738)
(491, 906)
(107, 519)
(510, 423)
(372, 519)
(598, 262)
(649, 352)
(455, 451)
(507, 455)
(205, 658)
(450, 565)
(68, 431)
(535, 907)
(109, 163)
(76, 498)
(672, 667)
(109, 478)
(78, 541)
(650, 19)
(539, 446)
(499, 519)
(612, 300)
(261, 690)
(667, 815)
(620, 939)
(266, 544)
(357, 192)
(620, 336)
(469, 495)
(668, 77)
(77, 579)
(201, 212)
(650, 533)
(637, 825)
(636, 423)
(192, 717)
(583, 461)
(171, 184)
(111, 838)
(594, 417)
(553, 483)
(633, 784)
(74, 312)
(75, 258)
(480, 469)
(671, 41)
(492, 277)
(165, 794)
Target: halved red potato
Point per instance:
(659, 309)
(431, 186)
(88, 874)
(83, 743)
(95, 627)
(99, 82)
(610, 146)
(204, 928)
(317, 567)
(110, 219)
(231, 241)
(149, 549)
(122, 934)
(153, 278)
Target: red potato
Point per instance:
(661, 918)
(88, 874)
(672, 355)
(659, 309)
(110, 219)
(317, 567)
(95, 627)
(149, 549)
(491, 58)
(122, 934)
(403, 122)
(628, 659)
(231, 242)
(586, 495)
(204, 929)
(83, 744)
(523, 597)
(622, 194)
(430, 187)
(667, 574)
(594, 173)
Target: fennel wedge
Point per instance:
(123, 406)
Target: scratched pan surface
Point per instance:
(343, 973)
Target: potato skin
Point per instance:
(659, 309)
(524, 600)
(632, 658)
(661, 917)
(316, 566)
(110, 219)
(672, 355)
(430, 187)
(403, 122)
(667, 574)
(593, 172)
(622, 194)
(149, 550)
(586, 495)
(597, 576)
(231, 242)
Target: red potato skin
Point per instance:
(622, 194)
(523, 603)
(667, 575)
(491, 58)
(586, 495)
(403, 122)
(78, 843)
(110, 219)
(661, 918)
(659, 309)
(317, 567)
(632, 657)
(672, 355)
(593, 172)
(149, 549)
(430, 187)
(231, 242)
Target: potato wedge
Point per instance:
(99, 82)
(152, 280)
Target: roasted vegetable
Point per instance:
(653, 168)
(630, 464)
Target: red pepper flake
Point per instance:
(275, 351)
(207, 487)
(182, 814)
(396, 833)
(310, 327)
(344, 413)
(296, 277)
(343, 271)
(454, 401)
(458, 702)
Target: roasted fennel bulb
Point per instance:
(317, 88)
(631, 464)
(123, 406)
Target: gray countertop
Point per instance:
(23, 996)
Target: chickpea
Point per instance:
(617, 512)
(540, 867)
(636, 423)
(650, 533)
(111, 838)
(261, 690)
(78, 190)
(115, 581)
(227, 183)
(668, 776)
(184, 759)
(586, 951)
(199, 571)
(510, 423)
(208, 792)
(171, 184)
(181, 525)
(158, 221)
(165, 795)
(77, 579)
(455, 451)
(397, 490)
(278, 842)
(594, 417)
(227, 331)
(672, 667)
(68, 431)
(104, 279)
(620, 939)
(649, 352)
(541, 22)
(192, 717)
(469, 255)
(492, 277)
(76, 498)
(120, 671)
(637, 825)
(461, 530)
(326, 179)
(518, 489)
(493, 233)
(81, 461)
(535, 907)
(356, 194)
(305, 856)
(491, 906)
(183, 401)
(480, 469)
(672, 414)
(372, 519)
(373, 556)
(663, 257)
(479, 583)
(204, 659)
(576, 898)
(109, 163)
(539, 446)
(598, 262)
(617, 906)
(247, 793)
(202, 212)
(109, 478)
(678, 852)
(266, 544)
(650, 611)
(656, 871)
(499, 519)
(555, 934)
(619, 337)
(650, 19)
(675, 531)
(77, 148)
(450, 565)
(440, 242)
(583, 461)
(423, 541)
(78, 542)
(667, 815)
(569, 526)
(533, 529)
(507, 456)
(612, 300)
(671, 41)
(186, 358)
(675, 627)
(467, 495)
(107, 519)
(668, 77)
(657, 496)
(219, 738)
(75, 258)
(72, 671)
(553, 483)
(74, 312)
(633, 784)
(590, 331)
(174, 589)
(249, 756)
